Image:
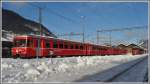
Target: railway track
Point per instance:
(127, 74)
(146, 77)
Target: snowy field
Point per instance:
(67, 69)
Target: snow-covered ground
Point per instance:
(66, 69)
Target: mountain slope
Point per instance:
(12, 21)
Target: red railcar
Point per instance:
(136, 51)
(32, 46)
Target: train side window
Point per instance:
(71, 46)
(96, 48)
(30, 43)
(61, 45)
(76, 46)
(103, 49)
(93, 48)
(55, 44)
(81, 47)
(47, 44)
(84, 47)
(66, 45)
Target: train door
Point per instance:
(88, 48)
(84, 49)
(38, 46)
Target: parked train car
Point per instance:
(136, 51)
(32, 46)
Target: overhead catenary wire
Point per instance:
(72, 34)
(118, 29)
(51, 11)
(122, 29)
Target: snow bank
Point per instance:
(7, 66)
(32, 74)
(63, 67)
(26, 65)
(43, 68)
(33, 69)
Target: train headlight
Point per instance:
(17, 51)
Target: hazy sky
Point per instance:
(63, 17)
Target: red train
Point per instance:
(32, 46)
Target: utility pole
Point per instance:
(110, 38)
(38, 51)
(97, 37)
(83, 37)
(83, 19)
(40, 21)
(41, 33)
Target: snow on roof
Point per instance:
(4, 39)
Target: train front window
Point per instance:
(23, 43)
(20, 43)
